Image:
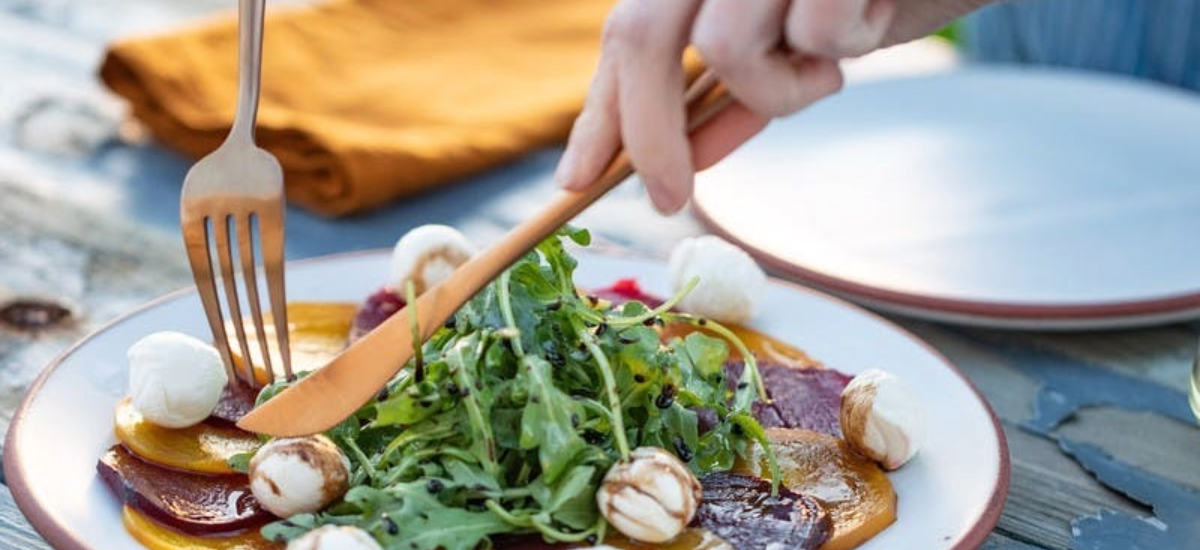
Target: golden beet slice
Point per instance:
(203, 448)
(317, 332)
(156, 536)
(766, 348)
(856, 493)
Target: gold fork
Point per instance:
(228, 196)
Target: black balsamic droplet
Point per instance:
(666, 398)
(682, 450)
(389, 524)
(593, 437)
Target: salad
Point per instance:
(541, 415)
(508, 418)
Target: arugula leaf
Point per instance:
(546, 424)
(240, 462)
(463, 359)
(704, 366)
(409, 516)
(416, 401)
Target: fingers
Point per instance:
(741, 41)
(737, 124)
(775, 56)
(637, 99)
(836, 29)
(724, 133)
(650, 38)
(595, 136)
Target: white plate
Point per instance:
(950, 495)
(1003, 197)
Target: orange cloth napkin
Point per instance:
(367, 101)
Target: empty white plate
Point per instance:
(1025, 198)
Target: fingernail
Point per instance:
(663, 198)
(564, 174)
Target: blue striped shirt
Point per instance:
(1154, 39)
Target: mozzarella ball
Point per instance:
(731, 284)
(335, 537)
(651, 498)
(883, 418)
(298, 475)
(427, 255)
(175, 380)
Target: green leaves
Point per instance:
(463, 360)
(572, 501)
(522, 405)
(415, 401)
(409, 516)
(547, 422)
(240, 462)
(703, 367)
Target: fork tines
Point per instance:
(211, 239)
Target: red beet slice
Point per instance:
(741, 510)
(237, 399)
(380, 305)
(807, 399)
(196, 504)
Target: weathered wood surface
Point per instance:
(61, 256)
(15, 532)
(1053, 493)
(1104, 450)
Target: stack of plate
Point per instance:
(1023, 198)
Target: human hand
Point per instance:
(775, 57)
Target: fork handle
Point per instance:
(250, 37)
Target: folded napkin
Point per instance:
(367, 101)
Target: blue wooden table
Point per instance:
(1105, 452)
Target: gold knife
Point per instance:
(331, 394)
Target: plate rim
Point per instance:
(997, 314)
(60, 538)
